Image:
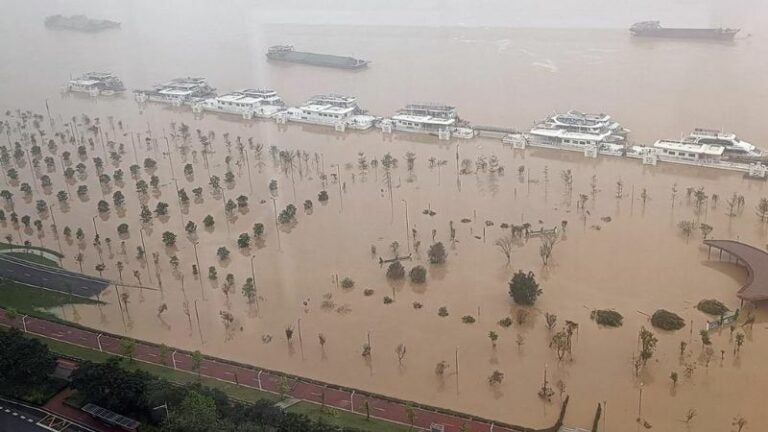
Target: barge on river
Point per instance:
(653, 29)
(287, 53)
(79, 23)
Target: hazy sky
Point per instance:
(751, 15)
(515, 13)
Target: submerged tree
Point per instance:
(523, 288)
(505, 245)
(437, 254)
(647, 344)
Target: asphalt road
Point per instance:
(51, 278)
(15, 417)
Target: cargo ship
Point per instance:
(288, 54)
(654, 29)
(79, 23)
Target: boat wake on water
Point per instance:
(546, 64)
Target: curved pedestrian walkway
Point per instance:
(756, 262)
(343, 398)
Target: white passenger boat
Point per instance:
(688, 151)
(95, 84)
(248, 103)
(178, 91)
(730, 142)
(575, 128)
(337, 111)
(428, 118)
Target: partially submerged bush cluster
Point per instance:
(607, 317)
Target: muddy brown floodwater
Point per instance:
(635, 262)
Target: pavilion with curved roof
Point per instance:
(756, 262)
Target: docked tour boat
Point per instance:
(428, 118)
(248, 103)
(178, 91)
(579, 129)
(689, 151)
(95, 84)
(730, 142)
(338, 111)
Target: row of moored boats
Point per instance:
(570, 129)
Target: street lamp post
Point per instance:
(199, 270)
(640, 403)
(56, 229)
(135, 155)
(144, 246)
(338, 180)
(98, 342)
(199, 327)
(255, 294)
(24, 322)
(226, 216)
(277, 227)
(178, 199)
(93, 219)
(248, 165)
(32, 170)
(165, 405)
(407, 226)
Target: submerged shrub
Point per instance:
(667, 320)
(712, 307)
(607, 317)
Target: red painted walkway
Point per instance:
(342, 398)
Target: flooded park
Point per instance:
(322, 272)
(383, 262)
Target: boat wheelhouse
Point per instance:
(178, 91)
(577, 121)
(430, 110)
(686, 150)
(730, 142)
(331, 110)
(247, 103)
(575, 128)
(96, 83)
